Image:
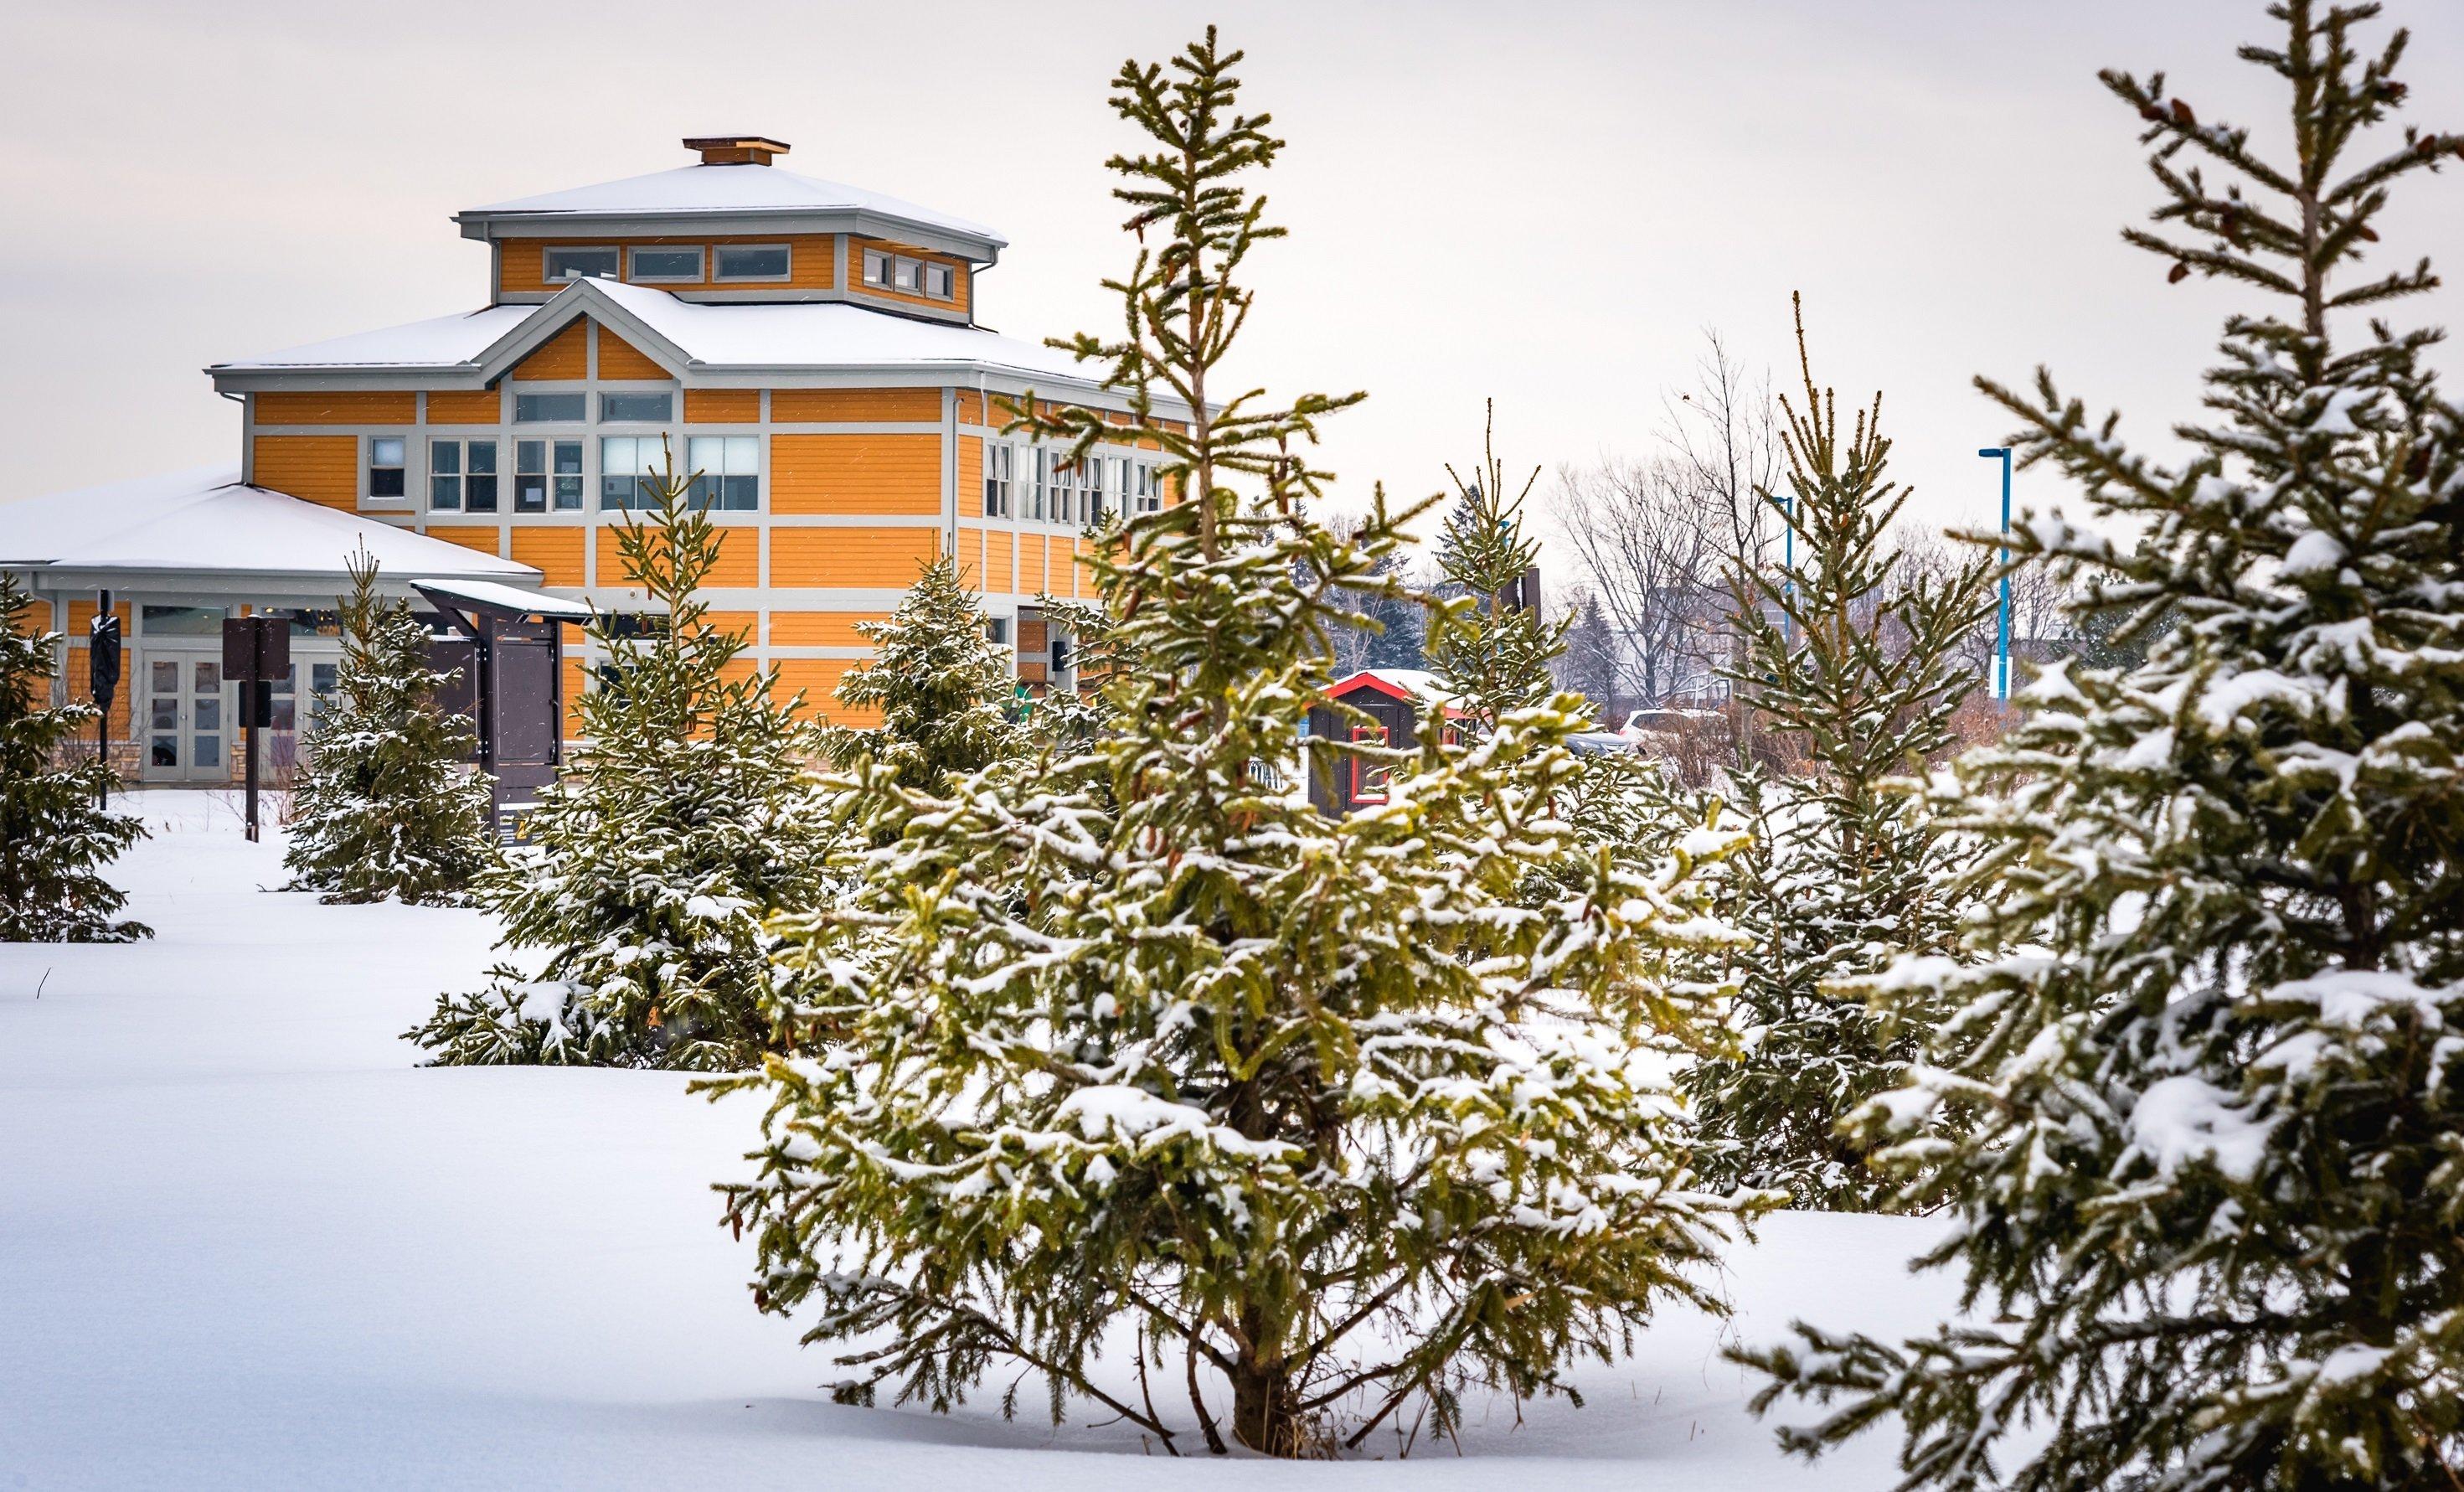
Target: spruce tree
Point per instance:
(2211, 1221)
(1132, 1044)
(381, 806)
(686, 813)
(1492, 652)
(55, 836)
(1853, 663)
(941, 684)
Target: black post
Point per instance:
(103, 683)
(249, 691)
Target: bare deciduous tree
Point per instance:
(1660, 538)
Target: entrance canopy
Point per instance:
(490, 598)
(207, 532)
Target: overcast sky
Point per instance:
(1546, 204)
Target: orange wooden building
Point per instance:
(812, 349)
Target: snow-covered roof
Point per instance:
(820, 337)
(1400, 683)
(489, 595)
(441, 341)
(209, 521)
(727, 191)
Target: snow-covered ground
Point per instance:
(244, 1241)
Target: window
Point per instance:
(551, 409)
(667, 263)
(886, 271)
(385, 468)
(626, 463)
(1064, 491)
(1043, 483)
(182, 621)
(1369, 779)
(727, 472)
(582, 264)
(997, 630)
(314, 622)
(1094, 503)
(1149, 497)
(462, 475)
(637, 408)
(753, 261)
(543, 468)
(999, 471)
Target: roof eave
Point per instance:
(983, 248)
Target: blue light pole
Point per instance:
(2002, 625)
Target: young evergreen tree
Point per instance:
(1488, 643)
(1307, 1107)
(382, 807)
(2211, 1218)
(941, 684)
(54, 838)
(1856, 665)
(684, 815)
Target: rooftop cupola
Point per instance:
(735, 149)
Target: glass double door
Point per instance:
(187, 718)
(192, 724)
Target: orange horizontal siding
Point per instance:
(361, 407)
(464, 407)
(556, 551)
(722, 406)
(742, 624)
(322, 469)
(564, 355)
(483, 540)
(820, 629)
(855, 474)
(621, 360)
(819, 680)
(739, 559)
(997, 553)
(971, 475)
(834, 405)
(867, 557)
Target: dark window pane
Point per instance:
(568, 492)
(568, 458)
(530, 493)
(746, 262)
(537, 409)
(572, 263)
(649, 408)
(483, 457)
(386, 481)
(667, 263)
(483, 493)
(444, 492)
(740, 494)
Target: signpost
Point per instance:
(102, 681)
(257, 655)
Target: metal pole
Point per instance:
(248, 697)
(103, 717)
(2002, 620)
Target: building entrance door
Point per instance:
(187, 717)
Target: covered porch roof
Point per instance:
(207, 531)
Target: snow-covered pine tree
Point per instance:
(2212, 1218)
(1854, 664)
(55, 836)
(1143, 1052)
(686, 813)
(383, 806)
(941, 684)
(1490, 650)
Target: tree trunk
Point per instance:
(1265, 1410)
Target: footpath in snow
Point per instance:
(246, 1242)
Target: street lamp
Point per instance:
(2002, 625)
